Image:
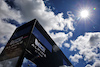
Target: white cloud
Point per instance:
(60, 37)
(67, 45)
(96, 64)
(31, 9)
(1, 48)
(7, 12)
(88, 46)
(75, 58)
(6, 31)
(88, 65)
(69, 13)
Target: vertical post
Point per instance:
(20, 60)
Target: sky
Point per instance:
(77, 37)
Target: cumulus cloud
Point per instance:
(7, 12)
(88, 65)
(69, 13)
(60, 37)
(67, 45)
(75, 58)
(96, 64)
(28, 10)
(6, 30)
(31, 9)
(88, 46)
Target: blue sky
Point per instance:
(77, 37)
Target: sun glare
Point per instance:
(84, 13)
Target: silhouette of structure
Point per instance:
(32, 42)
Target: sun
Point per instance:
(84, 13)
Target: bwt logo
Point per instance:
(39, 45)
(39, 48)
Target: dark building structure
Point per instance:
(32, 42)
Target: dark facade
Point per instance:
(32, 42)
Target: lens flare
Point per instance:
(94, 8)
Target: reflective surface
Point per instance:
(42, 39)
(9, 63)
(27, 63)
(21, 32)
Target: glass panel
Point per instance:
(42, 39)
(21, 32)
(27, 63)
(9, 63)
(64, 62)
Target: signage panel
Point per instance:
(13, 48)
(37, 52)
(43, 40)
(43, 51)
(17, 42)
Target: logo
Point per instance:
(39, 48)
(39, 45)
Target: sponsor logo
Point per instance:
(39, 45)
(39, 48)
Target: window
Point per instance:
(42, 39)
